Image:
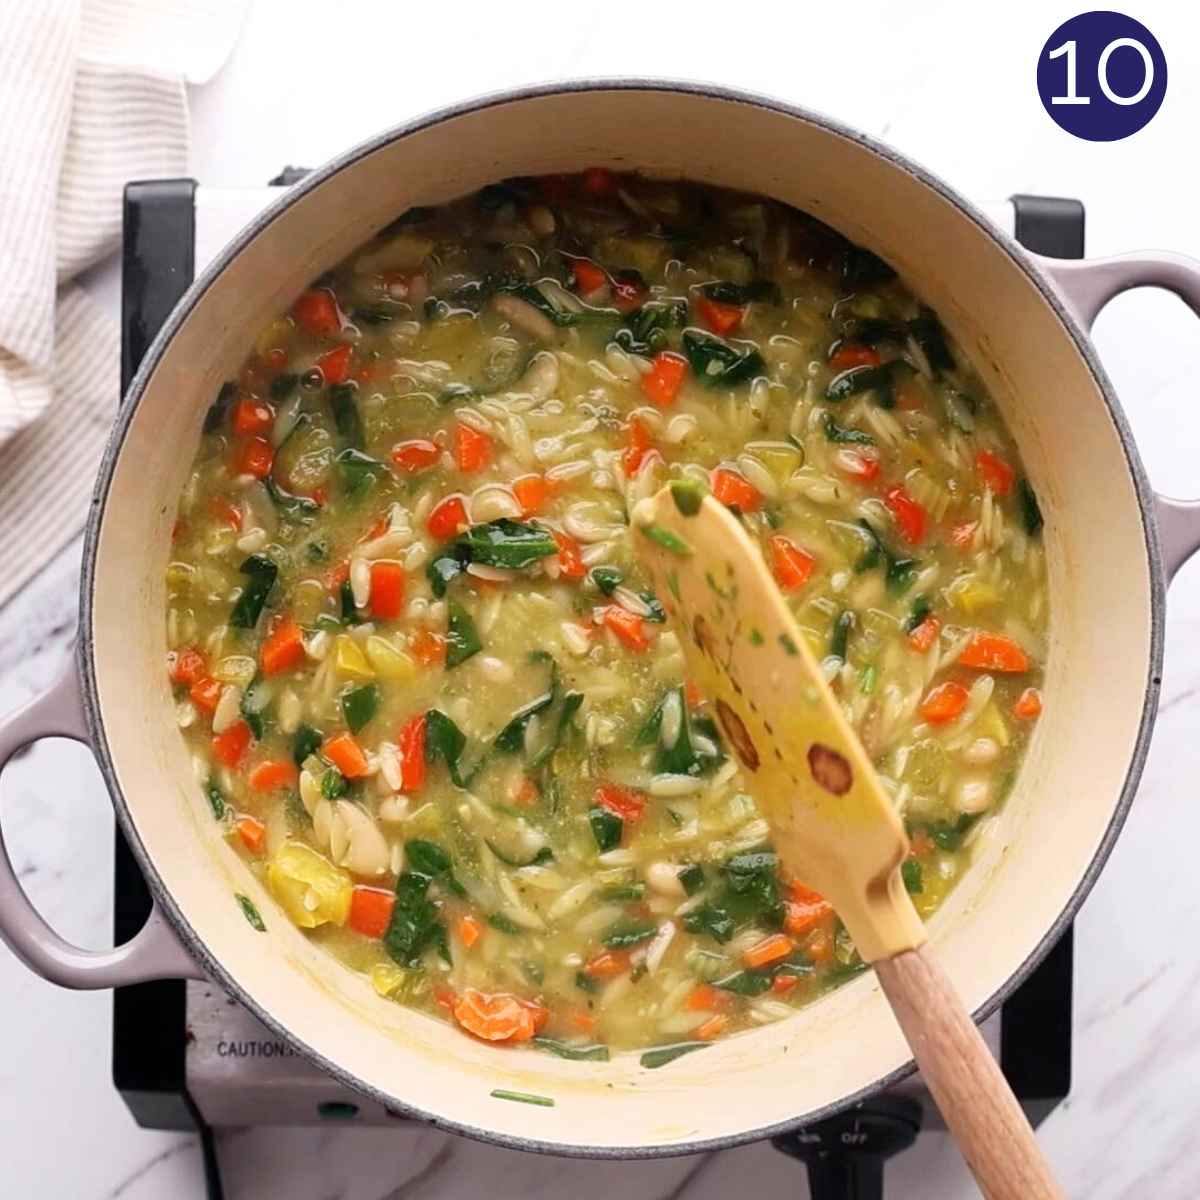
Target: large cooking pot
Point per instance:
(1111, 546)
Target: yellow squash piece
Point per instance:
(311, 890)
(350, 661)
(389, 663)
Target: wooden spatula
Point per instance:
(834, 827)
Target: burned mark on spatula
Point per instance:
(738, 735)
(830, 769)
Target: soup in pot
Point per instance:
(432, 701)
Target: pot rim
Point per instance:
(199, 287)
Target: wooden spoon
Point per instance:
(833, 825)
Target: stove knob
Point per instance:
(845, 1154)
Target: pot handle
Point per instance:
(1088, 285)
(155, 953)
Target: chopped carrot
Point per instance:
(944, 702)
(857, 464)
(206, 694)
(253, 834)
(346, 754)
(782, 984)
(428, 648)
(570, 556)
(994, 652)
(706, 997)
(921, 843)
(282, 648)
(582, 1020)
(335, 364)
(275, 358)
(229, 746)
(628, 627)
(772, 948)
(910, 516)
(371, 910)
(627, 803)
(819, 946)
(532, 492)
(803, 894)
(272, 774)
(387, 590)
(444, 997)
(447, 517)
(317, 312)
(186, 665)
(411, 743)
(925, 634)
(692, 694)
(419, 454)
(599, 181)
(712, 1027)
(607, 964)
(495, 1017)
(734, 490)
(470, 929)
(251, 416)
(472, 449)
(790, 564)
(997, 474)
(637, 446)
(527, 794)
(254, 457)
(1028, 705)
(802, 915)
(963, 534)
(852, 354)
(662, 382)
(223, 510)
(588, 276)
(378, 528)
(720, 318)
(628, 291)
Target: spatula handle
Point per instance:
(974, 1097)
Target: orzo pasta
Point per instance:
(431, 700)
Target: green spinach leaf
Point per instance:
(261, 574)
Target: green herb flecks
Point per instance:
(913, 876)
(836, 433)
(607, 828)
(688, 495)
(881, 380)
(220, 407)
(661, 1055)
(462, 638)
(667, 540)
(1031, 511)
(607, 579)
(261, 574)
(571, 1050)
(359, 705)
(252, 915)
(839, 640)
(306, 741)
(359, 473)
(522, 1097)
(343, 401)
(216, 801)
(717, 363)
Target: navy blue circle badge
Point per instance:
(1102, 76)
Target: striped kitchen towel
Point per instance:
(92, 94)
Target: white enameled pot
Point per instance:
(1111, 550)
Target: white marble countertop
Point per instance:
(955, 90)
